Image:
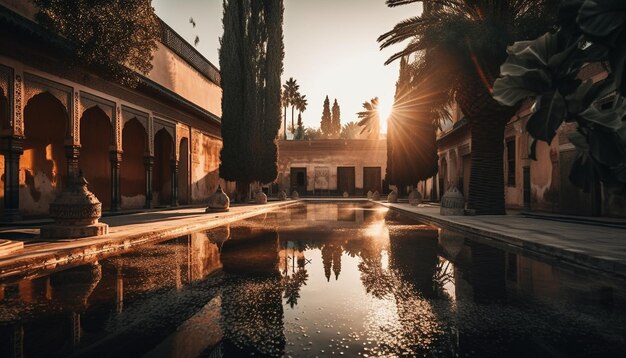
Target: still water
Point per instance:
(317, 280)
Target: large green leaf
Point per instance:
(549, 113)
(510, 90)
(601, 18)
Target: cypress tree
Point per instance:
(326, 125)
(336, 120)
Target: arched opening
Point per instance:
(43, 162)
(4, 122)
(132, 169)
(183, 172)
(162, 173)
(96, 134)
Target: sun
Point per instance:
(385, 108)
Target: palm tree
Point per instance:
(350, 130)
(464, 42)
(290, 92)
(370, 118)
(300, 103)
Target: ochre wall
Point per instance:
(205, 161)
(173, 73)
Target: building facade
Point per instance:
(154, 145)
(331, 166)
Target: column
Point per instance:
(72, 152)
(174, 182)
(12, 148)
(116, 160)
(149, 163)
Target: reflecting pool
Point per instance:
(317, 280)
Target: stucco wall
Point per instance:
(173, 73)
(329, 154)
(205, 162)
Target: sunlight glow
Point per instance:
(385, 108)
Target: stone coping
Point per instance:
(40, 258)
(597, 247)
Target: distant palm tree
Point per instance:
(464, 42)
(290, 92)
(300, 103)
(370, 118)
(350, 130)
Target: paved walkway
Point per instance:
(125, 231)
(597, 246)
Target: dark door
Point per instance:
(371, 179)
(526, 188)
(345, 180)
(298, 180)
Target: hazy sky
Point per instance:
(330, 47)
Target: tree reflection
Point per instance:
(292, 285)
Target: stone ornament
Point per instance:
(260, 197)
(369, 194)
(345, 194)
(376, 195)
(295, 195)
(392, 197)
(452, 202)
(282, 195)
(415, 197)
(218, 201)
(76, 212)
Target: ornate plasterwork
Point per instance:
(118, 125)
(34, 85)
(6, 86)
(18, 106)
(182, 132)
(76, 120)
(151, 135)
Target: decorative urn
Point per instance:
(415, 197)
(369, 194)
(260, 197)
(76, 212)
(218, 201)
(282, 195)
(392, 197)
(376, 195)
(345, 194)
(295, 195)
(452, 202)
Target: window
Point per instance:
(510, 160)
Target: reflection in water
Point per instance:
(337, 280)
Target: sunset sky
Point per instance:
(330, 47)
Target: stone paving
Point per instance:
(597, 246)
(125, 231)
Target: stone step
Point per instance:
(8, 246)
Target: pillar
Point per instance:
(174, 182)
(116, 198)
(72, 152)
(149, 164)
(12, 148)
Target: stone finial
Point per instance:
(218, 201)
(282, 195)
(452, 202)
(415, 197)
(392, 197)
(76, 212)
(295, 195)
(260, 197)
(369, 194)
(345, 194)
(376, 195)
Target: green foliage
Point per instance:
(370, 119)
(350, 130)
(548, 70)
(336, 119)
(251, 61)
(116, 37)
(313, 133)
(300, 129)
(326, 124)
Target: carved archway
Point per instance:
(162, 173)
(96, 138)
(132, 168)
(43, 162)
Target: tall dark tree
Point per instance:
(251, 56)
(465, 42)
(326, 125)
(336, 119)
(300, 128)
(116, 37)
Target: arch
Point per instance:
(96, 139)
(162, 173)
(183, 172)
(43, 162)
(132, 169)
